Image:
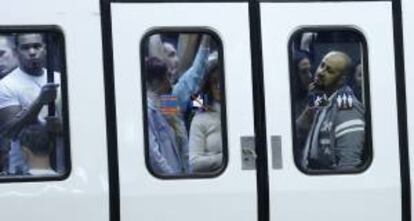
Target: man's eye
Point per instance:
(329, 70)
(2, 53)
(37, 46)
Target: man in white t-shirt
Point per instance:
(8, 62)
(24, 95)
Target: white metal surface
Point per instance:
(372, 195)
(232, 195)
(408, 22)
(84, 195)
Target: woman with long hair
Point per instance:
(206, 147)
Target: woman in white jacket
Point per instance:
(206, 147)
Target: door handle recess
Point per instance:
(248, 153)
(276, 144)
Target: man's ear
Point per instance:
(342, 79)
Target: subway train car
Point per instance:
(207, 110)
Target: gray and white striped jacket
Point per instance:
(336, 139)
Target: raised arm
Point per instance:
(186, 49)
(189, 81)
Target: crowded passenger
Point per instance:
(37, 149)
(169, 100)
(302, 77)
(335, 128)
(24, 96)
(8, 60)
(206, 145)
(357, 81)
(168, 143)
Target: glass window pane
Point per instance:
(33, 114)
(330, 105)
(183, 82)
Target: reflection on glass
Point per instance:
(31, 128)
(183, 84)
(330, 116)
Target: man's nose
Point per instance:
(32, 52)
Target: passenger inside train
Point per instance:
(184, 80)
(31, 124)
(330, 114)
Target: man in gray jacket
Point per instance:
(335, 124)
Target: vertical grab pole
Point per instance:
(50, 70)
(58, 152)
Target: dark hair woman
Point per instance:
(206, 148)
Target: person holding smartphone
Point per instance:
(334, 123)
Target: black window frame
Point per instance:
(59, 33)
(368, 147)
(218, 41)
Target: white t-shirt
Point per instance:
(20, 88)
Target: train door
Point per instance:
(46, 174)
(335, 140)
(159, 111)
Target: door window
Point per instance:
(33, 111)
(330, 100)
(184, 102)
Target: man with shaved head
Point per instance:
(8, 61)
(334, 125)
